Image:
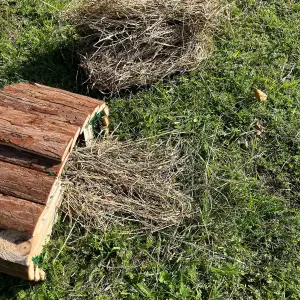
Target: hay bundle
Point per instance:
(113, 181)
(136, 42)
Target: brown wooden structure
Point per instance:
(39, 127)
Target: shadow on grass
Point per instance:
(60, 68)
(57, 68)
(10, 287)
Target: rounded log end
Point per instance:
(24, 248)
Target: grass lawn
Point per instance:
(243, 240)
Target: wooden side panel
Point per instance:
(36, 134)
(15, 246)
(16, 256)
(24, 183)
(18, 214)
(44, 227)
(14, 269)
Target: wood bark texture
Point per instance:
(24, 183)
(45, 137)
(18, 214)
(30, 160)
(49, 102)
(39, 126)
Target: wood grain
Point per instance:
(24, 183)
(55, 103)
(18, 214)
(16, 256)
(36, 134)
(30, 160)
(15, 246)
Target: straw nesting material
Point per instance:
(135, 181)
(128, 43)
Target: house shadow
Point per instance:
(60, 68)
(11, 287)
(57, 68)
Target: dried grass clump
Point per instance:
(113, 181)
(137, 42)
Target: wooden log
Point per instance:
(18, 249)
(71, 96)
(52, 94)
(16, 257)
(19, 215)
(15, 246)
(24, 183)
(78, 115)
(30, 160)
(46, 137)
(55, 103)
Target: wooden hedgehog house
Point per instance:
(39, 127)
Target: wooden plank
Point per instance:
(46, 222)
(24, 183)
(18, 214)
(14, 269)
(16, 256)
(30, 160)
(46, 137)
(15, 246)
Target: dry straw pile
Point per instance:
(129, 43)
(113, 181)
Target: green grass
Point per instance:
(35, 43)
(243, 241)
